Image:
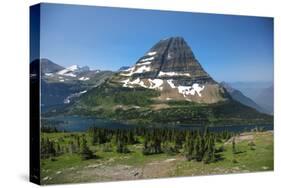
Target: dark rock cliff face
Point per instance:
(173, 55)
(171, 67)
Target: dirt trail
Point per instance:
(161, 168)
(242, 137)
(109, 172)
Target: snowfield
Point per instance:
(152, 83)
(70, 71)
(190, 90)
(158, 85)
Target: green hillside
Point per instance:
(140, 106)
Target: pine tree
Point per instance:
(58, 149)
(233, 146)
(209, 155)
(86, 153)
(78, 143)
(122, 143)
(190, 147)
(197, 151)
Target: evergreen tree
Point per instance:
(86, 153)
(209, 155)
(233, 146)
(78, 143)
(122, 143)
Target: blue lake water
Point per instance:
(81, 123)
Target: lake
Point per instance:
(73, 123)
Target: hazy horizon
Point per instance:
(230, 48)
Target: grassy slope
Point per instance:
(260, 159)
(69, 168)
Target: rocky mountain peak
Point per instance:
(169, 58)
(171, 67)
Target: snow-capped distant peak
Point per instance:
(73, 67)
(70, 71)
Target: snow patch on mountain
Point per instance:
(161, 73)
(151, 53)
(142, 69)
(136, 69)
(145, 63)
(126, 83)
(187, 90)
(156, 83)
(70, 74)
(68, 70)
(169, 56)
(191, 90)
(72, 70)
(49, 74)
(74, 95)
(73, 67)
(84, 78)
(172, 85)
(151, 83)
(147, 59)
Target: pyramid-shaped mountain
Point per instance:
(171, 67)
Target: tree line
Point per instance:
(199, 145)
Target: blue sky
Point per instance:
(230, 48)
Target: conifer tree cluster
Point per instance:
(152, 142)
(194, 144)
(200, 146)
(86, 153)
(48, 148)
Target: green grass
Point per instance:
(246, 160)
(70, 168)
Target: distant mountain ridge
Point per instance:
(61, 85)
(240, 97)
(251, 88)
(260, 92)
(265, 98)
